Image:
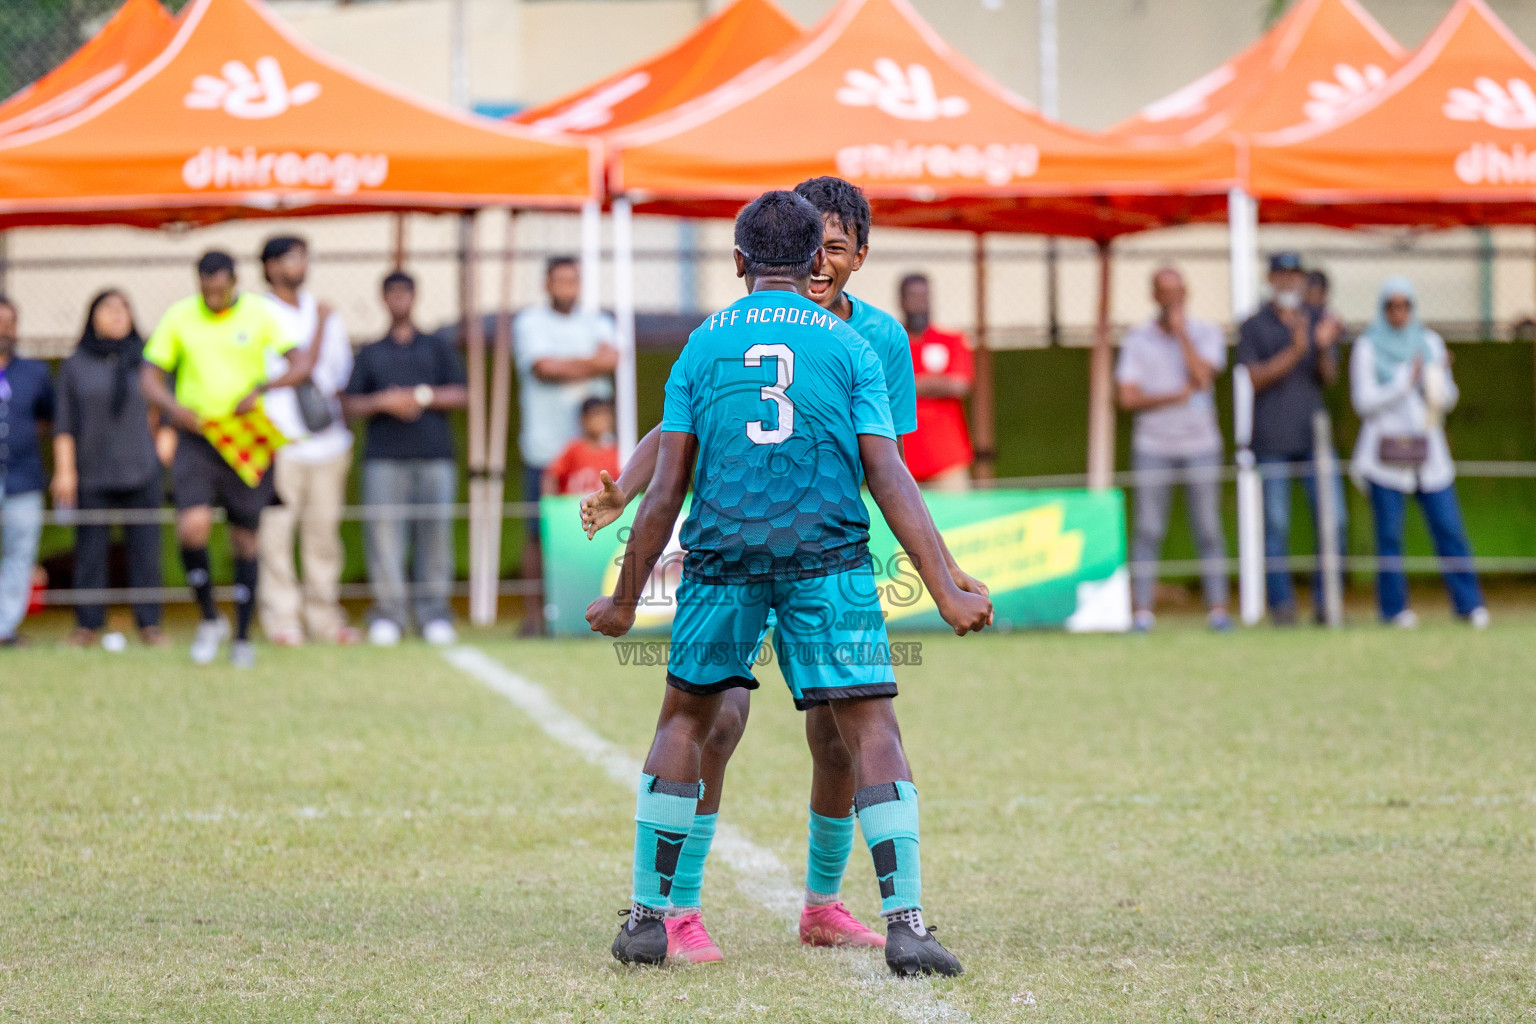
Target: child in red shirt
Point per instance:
(575, 470)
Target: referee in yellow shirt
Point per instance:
(218, 344)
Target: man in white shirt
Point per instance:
(1164, 377)
(310, 472)
(564, 357)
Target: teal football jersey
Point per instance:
(888, 338)
(777, 391)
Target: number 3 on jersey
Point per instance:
(784, 359)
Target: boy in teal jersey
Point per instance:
(824, 920)
(785, 409)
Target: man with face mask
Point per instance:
(1291, 356)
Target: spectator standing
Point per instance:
(105, 459)
(1316, 296)
(1165, 374)
(1291, 357)
(564, 357)
(577, 469)
(218, 344)
(939, 451)
(26, 415)
(1401, 385)
(310, 472)
(404, 385)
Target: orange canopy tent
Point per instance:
(130, 39)
(1318, 58)
(875, 96)
(237, 116)
(1449, 139)
(733, 40)
(736, 39)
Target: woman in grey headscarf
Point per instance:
(1400, 382)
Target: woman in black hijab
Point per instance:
(105, 459)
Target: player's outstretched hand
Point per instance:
(608, 618)
(965, 613)
(602, 506)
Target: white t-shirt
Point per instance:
(1153, 360)
(551, 413)
(332, 370)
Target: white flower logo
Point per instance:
(1191, 99)
(1503, 106)
(595, 110)
(247, 94)
(908, 94)
(1349, 84)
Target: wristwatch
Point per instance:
(424, 395)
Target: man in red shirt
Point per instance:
(575, 470)
(939, 451)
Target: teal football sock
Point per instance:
(663, 817)
(688, 882)
(826, 859)
(888, 816)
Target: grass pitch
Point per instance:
(1272, 826)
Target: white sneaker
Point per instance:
(383, 633)
(242, 654)
(1143, 621)
(439, 633)
(1479, 618)
(211, 634)
(1405, 619)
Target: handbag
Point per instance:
(1403, 451)
(314, 408)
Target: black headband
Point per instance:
(778, 261)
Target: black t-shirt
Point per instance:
(112, 453)
(425, 359)
(1282, 412)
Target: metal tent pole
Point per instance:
(499, 420)
(1101, 402)
(983, 394)
(624, 315)
(474, 359)
(1243, 237)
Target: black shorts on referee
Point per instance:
(200, 476)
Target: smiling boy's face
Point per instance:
(844, 256)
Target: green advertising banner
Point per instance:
(1052, 559)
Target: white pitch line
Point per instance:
(760, 875)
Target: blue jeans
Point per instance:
(425, 532)
(21, 527)
(1442, 512)
(1277, 525)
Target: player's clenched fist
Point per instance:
(965, 613)
(610, 619)
(602, 506)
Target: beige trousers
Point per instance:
(313, 494)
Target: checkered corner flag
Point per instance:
(246, 442)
